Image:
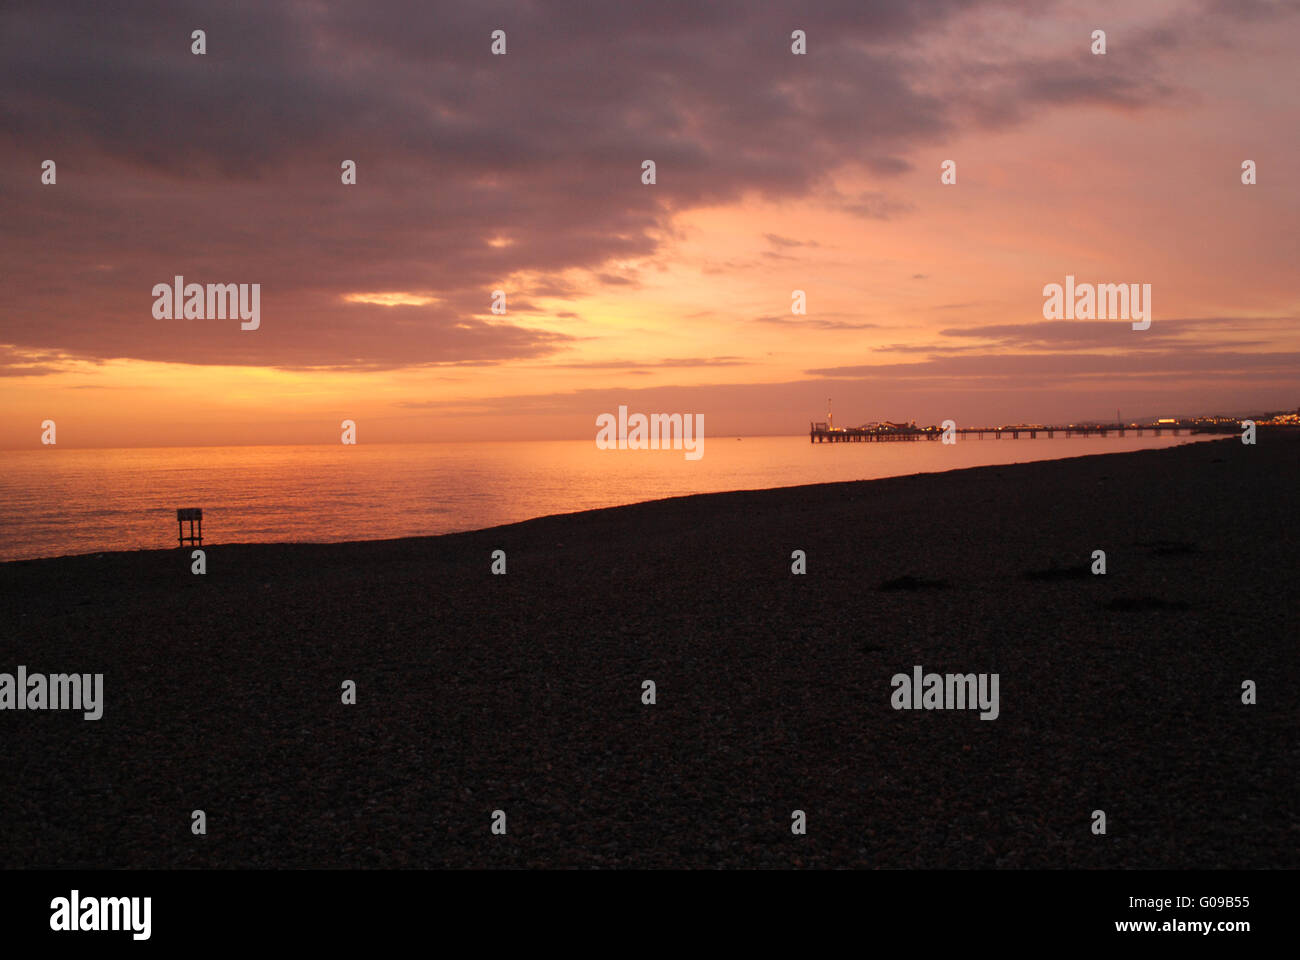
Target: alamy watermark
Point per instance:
(953, 691)
(215, 301)
(58, 691)
(658, 431)
(1099, 301)
(75, 913)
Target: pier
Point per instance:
(893, 432)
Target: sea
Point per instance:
(56, 501)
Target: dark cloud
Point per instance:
(16, 362)
(989, 368)
(778, 241)
(816, 323)
(874, 205)
(677, 362)
(887, 166)
(1055, 334)
(471, 168)
(919, 348)
(1037, 394)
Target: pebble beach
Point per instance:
(524, 692)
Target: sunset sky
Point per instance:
(522, 172)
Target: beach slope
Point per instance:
(523, 693)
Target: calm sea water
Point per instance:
(56, 501)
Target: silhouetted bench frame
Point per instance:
(191, 514)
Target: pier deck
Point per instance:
(822, 433)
